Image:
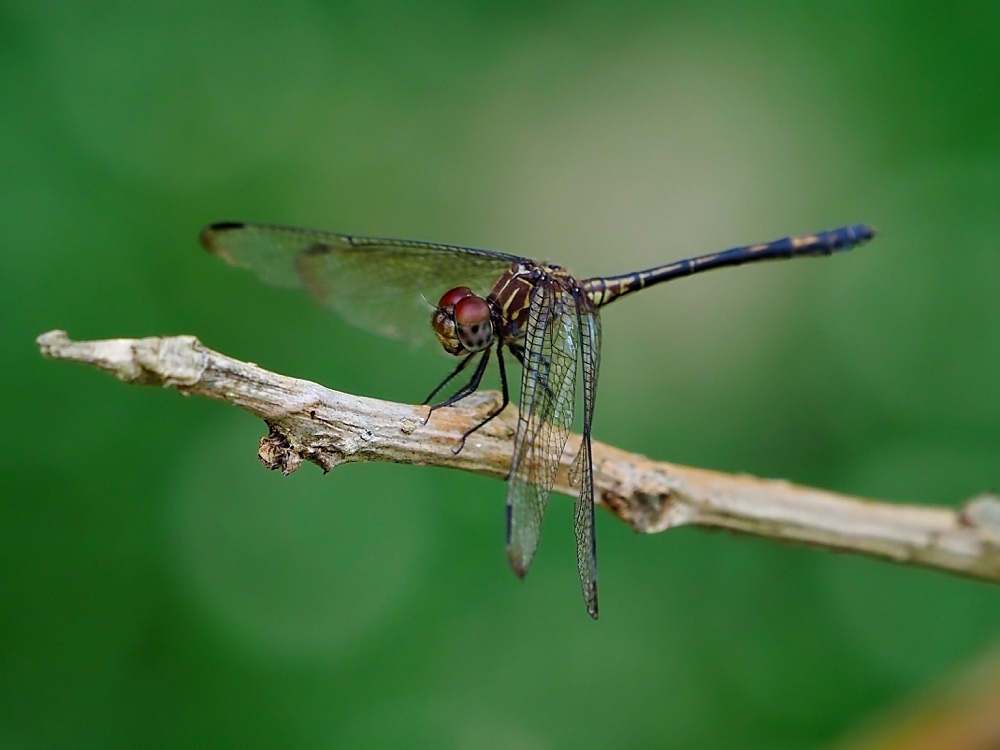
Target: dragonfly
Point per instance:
(489, 302)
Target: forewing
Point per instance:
(546, 414)
(582, 471)
(384, 286)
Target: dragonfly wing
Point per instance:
(548, 384)
(388, 287)
(582, 471)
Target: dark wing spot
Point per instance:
(211, 232)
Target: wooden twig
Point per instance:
(328, 428)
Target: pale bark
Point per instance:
(311, 422)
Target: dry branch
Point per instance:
(308, 421)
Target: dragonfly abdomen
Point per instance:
(601, 291)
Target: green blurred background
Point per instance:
(161, 589)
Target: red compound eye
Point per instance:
(471, 311)
(453, 296)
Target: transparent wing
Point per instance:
(582, 471)
(388, 287)
(548, 385)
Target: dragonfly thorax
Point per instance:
(463, 322)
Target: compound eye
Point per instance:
(473, 324)
(471, 311)
(453, 296)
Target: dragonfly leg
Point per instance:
(518, 351)
(466, 389)
(503, 403)
(443, 383)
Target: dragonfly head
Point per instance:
(462, 322)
